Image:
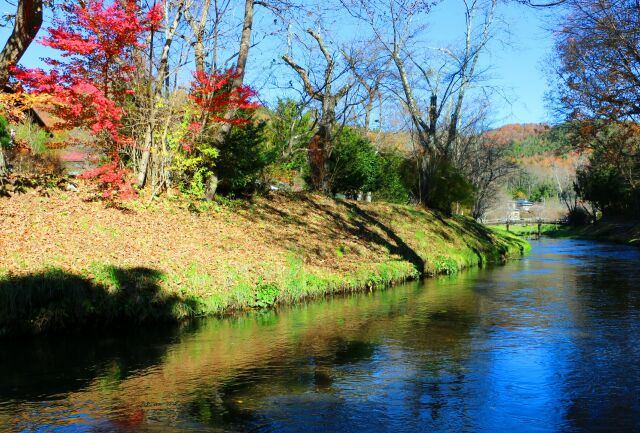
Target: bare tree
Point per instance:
(198, 27)
(489, 166)
(320, 144)
(370, 70)
(397, 27)
(156, 85)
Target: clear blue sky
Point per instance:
(515, 58)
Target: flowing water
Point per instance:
(550, 342)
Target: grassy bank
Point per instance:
(70, 262)
(617, 231)
(529, 230)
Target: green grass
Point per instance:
(528, 230)
(34, 135)
(622, 232)
(420, 243)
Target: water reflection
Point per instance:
(547, 343)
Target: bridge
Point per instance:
(534, 223)
(524, 222)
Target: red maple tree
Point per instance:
(89, 82)
(215, 94)
(218, 101)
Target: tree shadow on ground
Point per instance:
(498, 249)
(361, 226)
(56, 300)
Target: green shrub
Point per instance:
(447, 185)
(394, 178)
(5, 139)
(354, 164)
(266, 295)
(241, 159)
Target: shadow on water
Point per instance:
(56, 365)
(547, 343)
(56, 300)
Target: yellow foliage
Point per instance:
(14, 105)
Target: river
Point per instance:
(550, 342)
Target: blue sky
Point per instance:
(514, 60)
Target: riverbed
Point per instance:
(549, 342)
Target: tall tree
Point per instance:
(156, 84)
(370, 71)
(431, 87)
(323, 92)
(598, 47)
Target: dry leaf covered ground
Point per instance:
(67, 260)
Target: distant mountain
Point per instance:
(516, 132)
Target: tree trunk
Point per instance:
(163, 73)
(3, 163)
(367, 114)
(27, 24)
(146, 152)
(320, 146)
(245, 43)
(241, 65)
(198, 50)
(425, 180)
(198, 31)
(317, 154)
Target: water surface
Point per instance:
(550, 342)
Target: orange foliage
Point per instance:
(515, 132)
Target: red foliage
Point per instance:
(219, 101)
(215, 94)
(114, 179)
(89, 83)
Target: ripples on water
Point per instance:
(546, 343)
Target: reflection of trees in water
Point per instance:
(426, 332)
(602, 385)
(409, 353)
(46, 368)
(56, 365)
(224, 370)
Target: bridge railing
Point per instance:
(523, 222)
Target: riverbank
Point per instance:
(616, 231)
(69, 262)
(528, 230)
